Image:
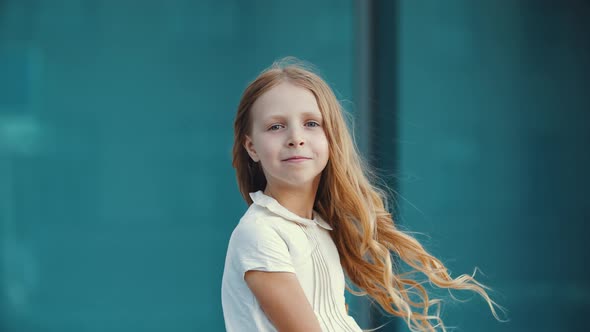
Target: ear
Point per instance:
(249, 146)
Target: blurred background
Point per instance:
(117, 195)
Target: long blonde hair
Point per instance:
(363, 230)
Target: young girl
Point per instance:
(314, 218)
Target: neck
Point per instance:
(299, 200)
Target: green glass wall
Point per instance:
(117, 195)
(494, 134)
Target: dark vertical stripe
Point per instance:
(364, 74)
(385, 122)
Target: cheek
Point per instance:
(323, 146)
(267, 148)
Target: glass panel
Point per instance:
(117, 195)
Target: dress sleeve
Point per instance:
(259, 247)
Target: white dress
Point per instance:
(271, 238)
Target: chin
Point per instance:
(301, 182)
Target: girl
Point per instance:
(314, 217)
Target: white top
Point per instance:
(271, 238)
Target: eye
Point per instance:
(312, 124)
(275, 127)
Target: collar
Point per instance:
(259, 198)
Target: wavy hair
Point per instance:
(367, 238)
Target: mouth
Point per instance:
(297, 158)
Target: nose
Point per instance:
(296, 142)
(296, 139)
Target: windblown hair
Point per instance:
(348, 198)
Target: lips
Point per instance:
(296, 158)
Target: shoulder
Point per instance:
(258, 221)
(259, 243)
(257, 225)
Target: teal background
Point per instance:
(117, 195)
(494, 117)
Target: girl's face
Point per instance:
(287, 136)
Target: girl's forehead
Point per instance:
(285, 98)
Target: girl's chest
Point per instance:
(317, 262)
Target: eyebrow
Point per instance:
(304, 114)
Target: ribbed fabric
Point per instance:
(324, 299)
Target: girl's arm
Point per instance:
(281, 297)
